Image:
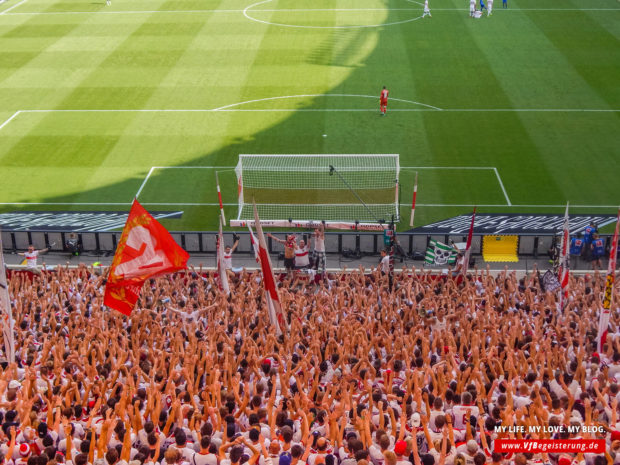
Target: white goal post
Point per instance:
(351, 191)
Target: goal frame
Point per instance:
(306, 223)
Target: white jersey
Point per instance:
(31, 259)
(459, 411)
(203, 459)
(439, 325)
(301, 256)
(472, 5)
(385, 264)
(227, 261)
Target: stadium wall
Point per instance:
(367, 243)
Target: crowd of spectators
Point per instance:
(427, 372)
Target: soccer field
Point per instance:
(517, 112)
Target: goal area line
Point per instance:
(407, 168)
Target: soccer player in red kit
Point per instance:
(383, 100)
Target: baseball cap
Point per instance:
(285, 458)
(14, 384)
(400, 448)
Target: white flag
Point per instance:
(271, 291)
(470, 236)
(221, 266)
(564, 269)
(603, 322)
(6, 313)
(254, 243)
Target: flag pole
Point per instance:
(564, 271)
(254, 243)
(415, 194)
(221, 269)
(219, 196)
(469, 241)
(7, 314)
(603, 323)
(274, 309)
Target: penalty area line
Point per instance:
(14, 6)
(230, 108)
(11, 118)
(501, 184)
(144, 182)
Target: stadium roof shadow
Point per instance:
(302, 131)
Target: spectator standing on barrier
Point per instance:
(576, 248)
(597, 251)
(31, 258)
(289, 251)
(384, 264)
(587, 238)
(72, 244)
(460, 262)
(228, 251)
(302, 257)
(319, 259)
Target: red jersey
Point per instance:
(384, 95)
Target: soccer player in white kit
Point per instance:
(490, 8)
(427, 11)
(472, 7)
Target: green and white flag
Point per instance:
(439, 253)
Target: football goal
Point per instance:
(346, 191)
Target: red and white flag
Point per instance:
(564, 268)
(221, 264)
(219, 197)
(470, 236)
(415, 194)
(6, 313)
(603, 323)
(145, 249)
(271, 291)
(254, 243)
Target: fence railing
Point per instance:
(365, 243)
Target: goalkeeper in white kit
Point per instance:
(427, 10)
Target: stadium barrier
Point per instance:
(362, 243)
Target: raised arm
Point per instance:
(276, 239)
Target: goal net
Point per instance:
(345, 189)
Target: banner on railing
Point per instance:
(497, 223)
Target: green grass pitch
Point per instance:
(92, 97)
